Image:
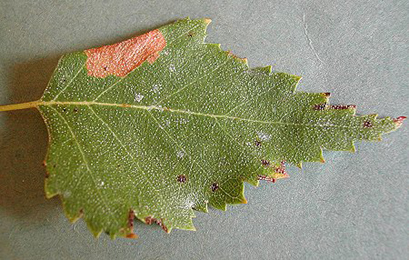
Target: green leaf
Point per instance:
(163, 123)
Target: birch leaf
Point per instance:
(163, 124)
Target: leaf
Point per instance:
(161, 124)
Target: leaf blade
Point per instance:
(181, 132)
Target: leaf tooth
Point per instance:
(202, 207)
(207, 20)
(321, 159)
(299, 164)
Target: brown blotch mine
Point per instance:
(149, 220)
(368, 124)
(214, 186)
(181, 178)
(121, 58)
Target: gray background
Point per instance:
(355, 206)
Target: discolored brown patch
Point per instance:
(279, 173)
(342, 106)
(320, 106)
(266, 178)
(131, 218)
(149, 220)
(121, 58)
(399, 120)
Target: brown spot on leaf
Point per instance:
(214, 186)
(281, 168)
(44, 163)
(320, 106)
(181, 178)
(265, 163)
(342, 106)
(266, 178)
(327, 94)
(121, 58)
(279, 173)
(149, 220)
(368, 124)
(131, 217)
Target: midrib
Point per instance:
(165, 109)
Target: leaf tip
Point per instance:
(399, 120)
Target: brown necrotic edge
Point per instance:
(121, 58)
(149, 220)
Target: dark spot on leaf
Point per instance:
(118, 166)
(149, 220)
(131, 218)
(257, 143)
(214, 186)
(367, 124)
(64, 109)
(55, 165)
(266, 178)
(320, 106)
(190, 34)
(281, 168)
(342, 106)
(181, 178)
(265, 163)
(75, 109)
(44, 163)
